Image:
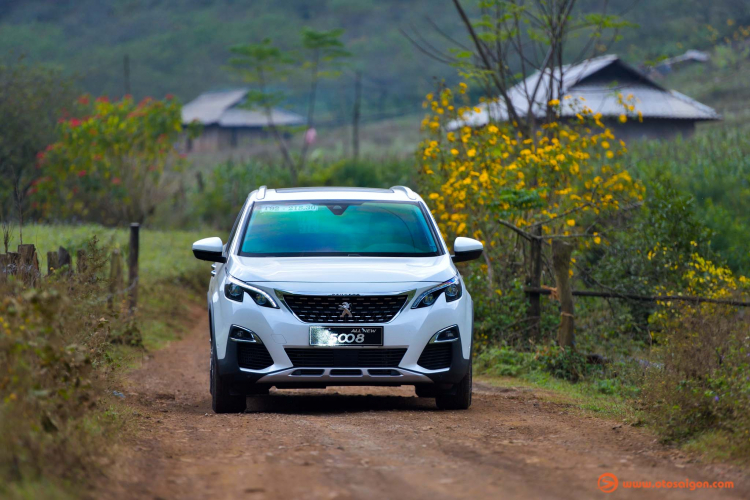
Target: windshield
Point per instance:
(330, 228)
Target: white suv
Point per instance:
(329, 286)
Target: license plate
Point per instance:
(346, 335)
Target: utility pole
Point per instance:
(357, 102)
(126, 73)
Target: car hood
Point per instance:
(342, 269)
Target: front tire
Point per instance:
(461, 399)
(222, 401)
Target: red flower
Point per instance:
(40, 155)
(84, 99)
(103, 98)
(74, 122)
(170, 97)
(116, 181)
(82, 173)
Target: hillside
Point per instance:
(180, 47)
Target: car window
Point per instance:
(329, 228)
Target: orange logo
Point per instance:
(608, 482)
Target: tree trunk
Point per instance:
(561, 262)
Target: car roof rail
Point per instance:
(261, 193)
(408, 192)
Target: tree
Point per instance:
(115, 164)
(266, 66)
(564, 183)
(512, 39)
(533, 173)
(32, 98)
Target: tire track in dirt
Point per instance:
(374, 443)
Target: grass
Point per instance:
(584, 396)
(163, 254)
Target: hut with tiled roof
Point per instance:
(596, 84)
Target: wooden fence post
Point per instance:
(534, 314)
(28, 264)
(13, 260)
(63, 259)
(561, 263)
(4, 267)
(133, 264)
(52, 264)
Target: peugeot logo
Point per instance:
(346, 309)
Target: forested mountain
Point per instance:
(181, 46)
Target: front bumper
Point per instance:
(279, 329)
(245, 381)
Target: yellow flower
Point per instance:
(605, 144)
(597, 240)
(454, 151)
(554, 102)
(471, 153)
(571, 222)
(610, 155)
(434, 196)
(623, 118)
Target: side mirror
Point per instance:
(210, 249)
(465, 249)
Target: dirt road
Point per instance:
(376, 443)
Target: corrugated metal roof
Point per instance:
(650, 99)
(222, 108)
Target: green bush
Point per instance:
(713, 167)
(54, 352)
(505, 362)
(699, 379)
(565, 363)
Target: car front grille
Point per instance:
(344, 357)
(331, 308)
(253, 356)
(436, 356)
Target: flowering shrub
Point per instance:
(114, 164)
(562, 178)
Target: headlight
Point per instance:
(451, 288)
(235, 289)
